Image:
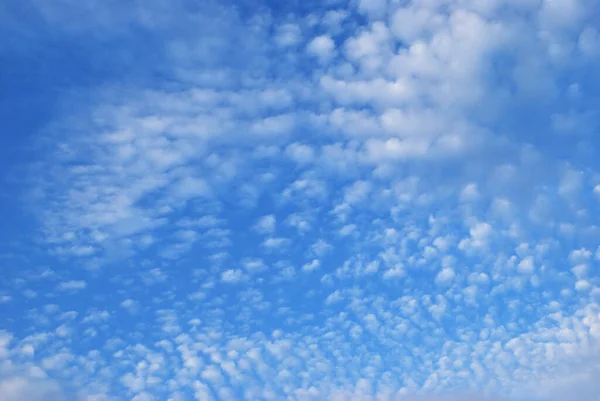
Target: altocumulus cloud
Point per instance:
(353, 200)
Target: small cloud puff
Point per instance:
(72, 286)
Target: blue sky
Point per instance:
(335, 200)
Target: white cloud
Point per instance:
(347, 230)
(232, 276)
(373, 8)
(470, 193)
(583, 285)
(322, 46)
(73, 285)
(321, 247)
(190, 187)
(445, 276)
(561, 14)
(580, 270)
(526, 266)
(276, 243)
(334, 298)
(288, 35)
(300, 153)
(301, 223)
(154, 276)
(130, 305)
(274, 126)
(254, 265)
(5, 299)
(394, 272)
(311, 266)
(266, 224)
(479, 237)
(23, 389)
(413, 23)
(357, 192)
(333, 19)
(589, 42)
(383, 144)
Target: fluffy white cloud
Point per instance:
(232, 276)
(266, 224)
(445, 276)
(312, 265)
(373, 8)
(322, 46)
(526, 266)
(369, 200)
(22, 389)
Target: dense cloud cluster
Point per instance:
(354, 200)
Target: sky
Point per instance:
(339, 200)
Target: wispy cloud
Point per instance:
(73, 285)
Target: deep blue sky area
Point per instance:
(303, 201)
